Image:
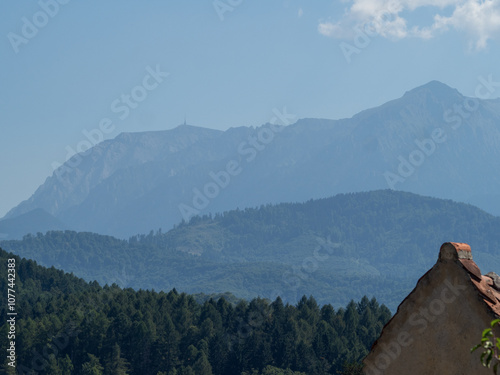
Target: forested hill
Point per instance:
(67, 326)
(376, 244)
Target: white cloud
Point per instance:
(300, 13)
(478, 19)
(335, 30)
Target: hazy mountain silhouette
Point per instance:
(432, 141)
(37, 220)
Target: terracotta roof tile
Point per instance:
(472, 267)
(486, 285)
(486, 290)
(464, 251)
(461, 246)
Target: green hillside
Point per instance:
(376, 244)
(66, 326)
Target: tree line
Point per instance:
(68, 326)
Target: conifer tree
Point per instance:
(202, 366)
(92, 366)
(116, 365)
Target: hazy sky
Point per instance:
(67, 67)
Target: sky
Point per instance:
(73, 73)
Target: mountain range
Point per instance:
(432, 141)
(337, 249)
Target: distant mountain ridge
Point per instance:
(432, 141)
(339, 248)
(37, 220)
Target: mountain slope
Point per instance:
(34, 221)
(432, 141)
(339, 248)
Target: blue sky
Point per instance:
(66, 66)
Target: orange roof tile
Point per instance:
(487, 285)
